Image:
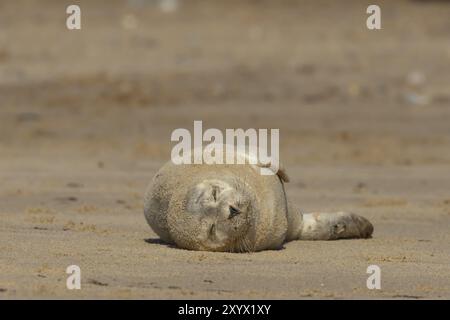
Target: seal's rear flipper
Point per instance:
(333, 226)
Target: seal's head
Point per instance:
(216, 216)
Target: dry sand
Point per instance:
(86, 117)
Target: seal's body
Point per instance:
(234, 208)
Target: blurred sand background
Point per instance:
(86, 118)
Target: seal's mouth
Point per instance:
(212, 232)
(220, 241)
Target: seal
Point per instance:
(233, 208)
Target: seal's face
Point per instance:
(221, 211)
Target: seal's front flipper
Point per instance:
(333, 226)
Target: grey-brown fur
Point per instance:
(235, 208)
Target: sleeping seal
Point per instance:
(234, 208)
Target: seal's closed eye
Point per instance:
(233, 212)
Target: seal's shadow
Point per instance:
(173, 246)
(160, 242)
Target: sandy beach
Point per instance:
(86, 118)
